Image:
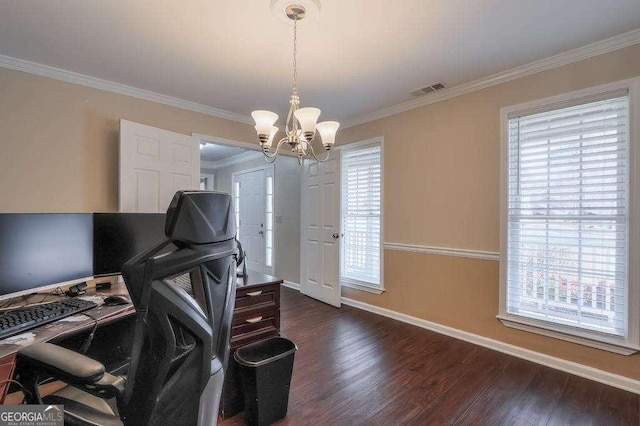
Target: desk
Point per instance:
(62, 329)
(256, 316)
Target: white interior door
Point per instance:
(154, 164)
(252, 217)
(320, 231)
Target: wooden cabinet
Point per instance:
(256, 316)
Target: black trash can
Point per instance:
(266, 368)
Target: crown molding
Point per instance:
(231, 161)
(594, 49)
(122, 89)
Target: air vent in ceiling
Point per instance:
(428, 89)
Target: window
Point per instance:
(268, 259)
(236, 206)
(361, 257)
(566, 219)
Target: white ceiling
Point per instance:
(358, 57)
(213, 152)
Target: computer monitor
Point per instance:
(117, 237)
(41, 251)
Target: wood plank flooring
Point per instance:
(354, 367)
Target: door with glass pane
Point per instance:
(254, 205)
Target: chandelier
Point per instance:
(301, 128)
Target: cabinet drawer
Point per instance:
(247, 323)
(263, 298)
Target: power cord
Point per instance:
(87, 343)
(25, 392)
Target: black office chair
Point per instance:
(184, 294)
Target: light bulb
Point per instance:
(264, 121)
(269, 141)
(327, 130)
(307, 117)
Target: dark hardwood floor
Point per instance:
(355, 367)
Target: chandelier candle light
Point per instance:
(300, 128)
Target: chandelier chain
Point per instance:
(295, 52)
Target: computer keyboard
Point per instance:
(23, 319)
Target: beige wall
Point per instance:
(59, 142)
(442, 183)
(58, 152)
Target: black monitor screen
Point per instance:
(44, 249)
(118, 237)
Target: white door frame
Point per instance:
(269, 170)
(255, 146)
(210, 183)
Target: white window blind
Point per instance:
(567, 236)
(361, 215)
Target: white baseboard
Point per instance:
(570, 367)
(291, 284)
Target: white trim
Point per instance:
(202, 138)
(378, 140)
(212, 185)
(633, 320)
(243, 157)
(268, 169)
(291, 284)
(580, 337)
(598, 48)
(444, 251)
(570, 367)
(122, 89)
(362, 286)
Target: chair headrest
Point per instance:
(200, 217)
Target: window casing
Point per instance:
(569, 217)
(361, 217)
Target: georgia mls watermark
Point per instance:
(31, 415)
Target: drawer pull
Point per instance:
(254, 293)
(254, 320)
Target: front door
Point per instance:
(320, 233)
(251, 206)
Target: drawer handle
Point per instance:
(254, 293)
(254, 320)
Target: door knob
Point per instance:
(335, 235)
(261, 232)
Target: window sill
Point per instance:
(361, 286)
(607, 343)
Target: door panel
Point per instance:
(320, 231)
(154, 164)
(253, 216)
